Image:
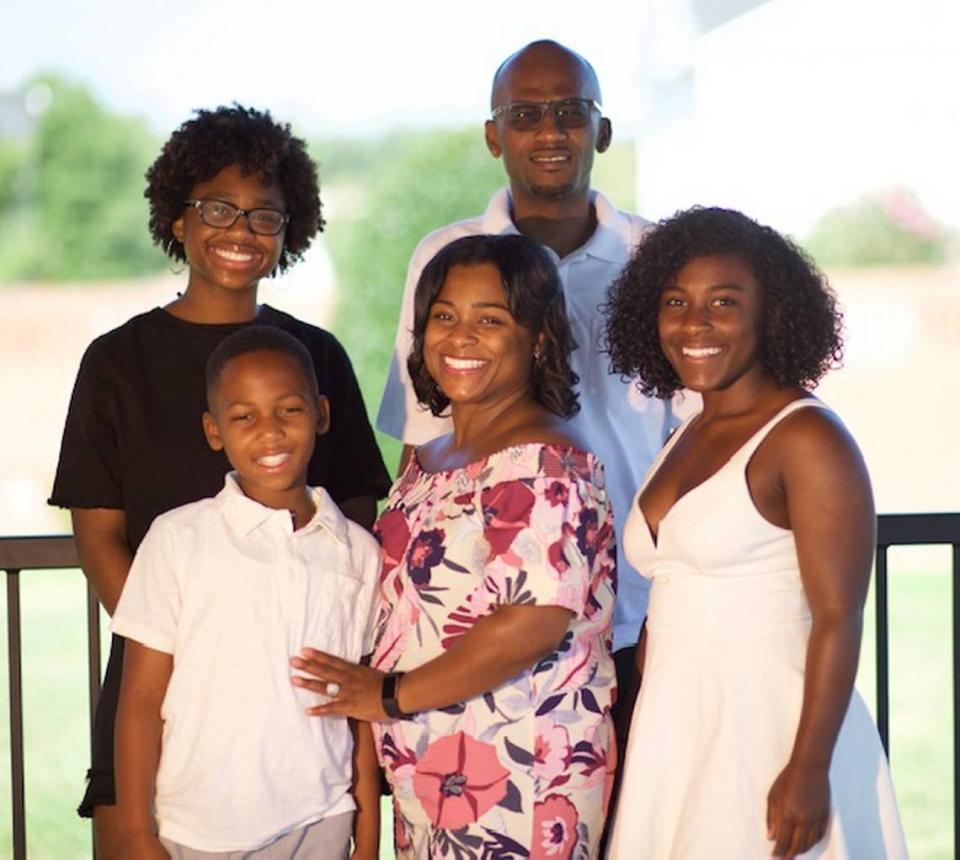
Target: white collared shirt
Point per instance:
(621, 426)
(228, 588)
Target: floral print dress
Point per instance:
(523, 770)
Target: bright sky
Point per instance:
(795, 107)
(334, 66)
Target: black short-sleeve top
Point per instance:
(134, 439)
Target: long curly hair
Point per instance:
(534, 299)
(802, 326)
(215, 139)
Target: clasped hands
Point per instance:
(351, 690)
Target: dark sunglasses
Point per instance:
(527, 116)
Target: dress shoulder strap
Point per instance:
(751, 445)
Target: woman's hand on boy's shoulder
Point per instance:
(350, 690)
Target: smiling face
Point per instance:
(266, 414)
(472, 346)
(548, 163)
(229, 258)
(710, 323)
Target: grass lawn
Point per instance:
(54, 670)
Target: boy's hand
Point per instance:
(351, 690)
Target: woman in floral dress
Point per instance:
(492, 680)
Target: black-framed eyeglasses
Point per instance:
(527, 116)
(219, 213)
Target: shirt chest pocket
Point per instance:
(337, 609)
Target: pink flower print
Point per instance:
(558, 493)
(458, 779)
(475, 469)
(394, 535)
(426, 551)
(604, 580)
(461, 620)
(557, 559)
(506, 513)
(559, 462)
(591, 536)
(551, 750)
(554, 829)
(401, 837)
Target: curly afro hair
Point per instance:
(215, 139)
(534, 299)
(801, 336)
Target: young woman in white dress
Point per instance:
(756, 525)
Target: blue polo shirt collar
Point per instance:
(611, 237)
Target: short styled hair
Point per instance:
(257, 338)
(534, 299)
(216, 139)
(801, 337)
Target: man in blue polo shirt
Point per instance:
(546, 124)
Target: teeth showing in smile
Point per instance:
(463, 363)
(701, 352)
(272, 460)
(549, 159)
(233, 256)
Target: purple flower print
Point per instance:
(426, 551)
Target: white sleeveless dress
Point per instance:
(717, 714)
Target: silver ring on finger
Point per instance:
(332, 689)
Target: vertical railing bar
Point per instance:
(16, 715)
(93, 655)
(956, 700)
(93, 678)
(883, 667)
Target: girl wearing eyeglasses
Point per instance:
(234, 195)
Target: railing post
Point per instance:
(16, 715)
(93, 656)
(883, 663)
(956, 700)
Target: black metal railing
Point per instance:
(918, 530)
(19, 554)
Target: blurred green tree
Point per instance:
(891, 228)
(385, 196)
(74, 207)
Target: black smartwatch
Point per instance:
(388, 695)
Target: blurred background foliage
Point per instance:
(386, 196)
(72, 206)
(889, 228)
(71, 190)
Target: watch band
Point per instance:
(388, 695)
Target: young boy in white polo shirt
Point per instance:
(215, 756)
